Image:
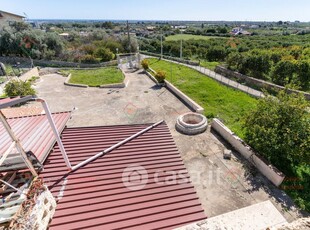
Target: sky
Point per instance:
(196, 10)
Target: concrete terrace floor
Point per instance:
(222, 185)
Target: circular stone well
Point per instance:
(191, 123)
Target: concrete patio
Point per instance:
(222, 185)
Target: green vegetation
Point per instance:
(160, 76)
(145, 64)
(96, 77)
(91, 46)
(209, 65)
(279, 129)
(184, 37)
(10, 71)
(218, 101)
(18, 88)
(279, 59)
(2, 79)
(282, 66)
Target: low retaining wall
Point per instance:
(257, 82)
(34, 72)
(52, 63)
(191, 103)
(269, 171)
(187, 100)
(151, 76)
(74, 85)
(115, 85)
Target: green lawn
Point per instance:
(218, 100)
(184, 37)
(96, 77)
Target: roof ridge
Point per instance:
(105, 126)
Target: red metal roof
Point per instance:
(94, 196)
(22, 111)
(34, 132)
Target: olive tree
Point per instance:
(279, 129)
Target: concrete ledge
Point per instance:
(191, 103)
(74, 85)
(261, 216)
(34, 72)
(268, 170)
(115, 85)
(151, 76)
(187, 100)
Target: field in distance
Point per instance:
(179, 37)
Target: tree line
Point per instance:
(90, 47)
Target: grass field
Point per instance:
(218, 100)
(96, 77)
(184, 37)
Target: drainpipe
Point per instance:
(55, 131)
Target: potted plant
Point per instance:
(145, 64)
(160, 77)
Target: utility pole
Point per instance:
(129, 47)
(161, 45)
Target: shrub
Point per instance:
(279, 128)
(145, 64)
(160, 76)
(216, 53)
(88, 59)
(18, 88)
(104, 54)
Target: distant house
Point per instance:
(239, 31)
(64, 35)
(150, 28)
(178, 27)
(7, 19)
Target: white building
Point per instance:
(7, 19)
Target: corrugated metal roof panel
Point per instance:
(94, 196)
(22, 111)
(34, 132)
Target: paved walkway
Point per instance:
(222, 186)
